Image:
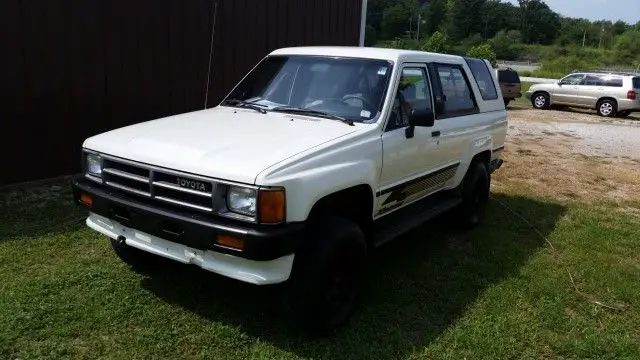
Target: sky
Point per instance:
(625, 10)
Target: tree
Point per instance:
(435, 14)
(627, 46)
(619, 27)
(504, 44)
(395, 21)
(462, 18)
(436, 43)
(539, 24)
(370, 36)
(483, 51)
(496, 15)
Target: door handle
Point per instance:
(435, 133)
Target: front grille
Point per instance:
(162, 185)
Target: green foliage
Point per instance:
(483, 51)
(505, 44)
(539, 24)
(497, 15)
(394, 20)
(435, 16)
(462, 18)
(561, 66)
(527, 31)
(371, 36)
(627, 46)
(436, 43)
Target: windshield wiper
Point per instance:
(244, 104)
(303, 111)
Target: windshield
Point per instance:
(353, 89)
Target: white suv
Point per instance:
(318, 156)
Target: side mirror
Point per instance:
(419, 117)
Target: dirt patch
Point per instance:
(551, 153)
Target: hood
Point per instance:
(541, 86)
(226, 143)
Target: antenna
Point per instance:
(213, 32)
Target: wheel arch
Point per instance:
(354, 203)
(606, 98)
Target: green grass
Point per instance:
(498, 292)
(523, 101)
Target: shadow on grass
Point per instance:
(37, 209)
(418, 286)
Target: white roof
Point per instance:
(394, 55)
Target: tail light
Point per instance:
(631, 95)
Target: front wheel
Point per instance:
(323, 290)
(540, 101)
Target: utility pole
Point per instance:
(584, 37)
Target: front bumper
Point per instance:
(528, 95)
(174, 233)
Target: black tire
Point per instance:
(324, 287)
(607, 108)
(506, 102)
(140, 261)
(475, 195)
(623, 114)
(541, 100)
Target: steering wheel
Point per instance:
(365, 102)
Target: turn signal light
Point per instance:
(230, 242)
(271, 206)
(86, 199)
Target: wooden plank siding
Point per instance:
(70, 69)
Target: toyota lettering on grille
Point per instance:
(191, 184)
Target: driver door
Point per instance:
(567, 90)
(408, 161)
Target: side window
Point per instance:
(413, 93)
(572, 79)
(591, 80)
(483, 78)
(457, 96)
(613, 82)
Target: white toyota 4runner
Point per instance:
(318, 156)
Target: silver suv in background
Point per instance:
(609, 94)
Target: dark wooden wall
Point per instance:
(73, 68)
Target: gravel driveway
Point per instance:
(571, 155)
(588, 133)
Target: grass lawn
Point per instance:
(523, 99)
(498, 292)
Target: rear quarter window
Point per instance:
(482, 75)
(613, 82)
(508, 76)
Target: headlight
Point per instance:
(94, 165)
(242, 200)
